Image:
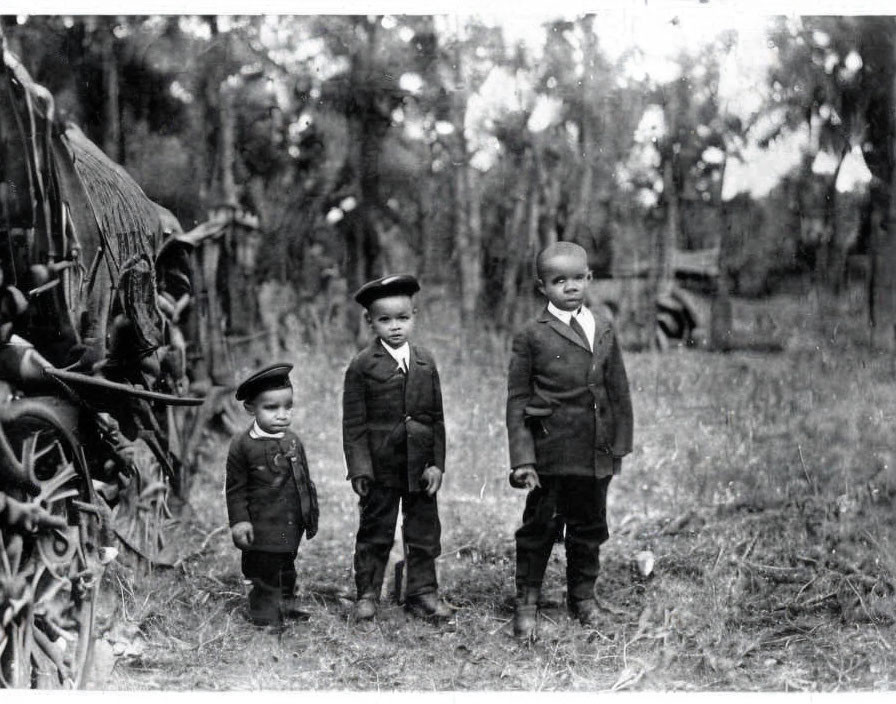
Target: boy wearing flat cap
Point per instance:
(569, 423)
(271, 499)
(394, 441)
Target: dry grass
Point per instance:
(764, 485)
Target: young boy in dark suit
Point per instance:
(271, 499)
(569, 423)
(394, 442)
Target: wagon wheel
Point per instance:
(50, 570)
(141, 513)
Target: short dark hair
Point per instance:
(557, 249)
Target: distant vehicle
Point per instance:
(682, 306)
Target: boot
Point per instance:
(264, 605)
(289, 609)
(365, 607)
(428, 606)
(586, 611)
(526, 614)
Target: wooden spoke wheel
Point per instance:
(141, 514)
(49, 561)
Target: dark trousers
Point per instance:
(273, 576)
(579, 504)
(422, 539)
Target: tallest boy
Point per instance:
(569, 423)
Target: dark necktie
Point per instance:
(580, 331)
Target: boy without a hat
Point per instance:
(271, 499)
(569, 423)
(394, 443)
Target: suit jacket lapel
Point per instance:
(415, 364)
(563, 329)
(383, 362)
(601, 328)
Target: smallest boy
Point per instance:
(271, 499)
(393, 434)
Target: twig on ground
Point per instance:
(868, 614)
(199, 646)
(809, 478)
(501, 627)
(456, 550)
(749, 547)
(202, 547)
(628, 679)
(718, 557)
(806, 586)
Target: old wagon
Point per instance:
(90, 367)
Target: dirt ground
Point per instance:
(763, 484)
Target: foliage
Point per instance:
(362, 139)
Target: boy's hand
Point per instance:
(242, 534)
(361, 486)
(431, 480)
(525, 477)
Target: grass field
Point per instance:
(764, 485)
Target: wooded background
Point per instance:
(438, 145)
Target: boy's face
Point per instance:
(392, 319)
(564, 281)
(272, 409)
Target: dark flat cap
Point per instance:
(275, 376)
(394, 285)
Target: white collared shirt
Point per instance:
(402, 355)
(257, 433)
(582, 315)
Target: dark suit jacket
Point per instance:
(264, 477)
(393, 426)
(569, 411)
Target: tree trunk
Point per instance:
(662, 274)
(226, 146)
(669, 241)
(112, 137)
(883, 244)
(720, 314)
(467, 202)
(468, 242)
(579, 227)
(518, 241)
(829, 259)
(883, 277)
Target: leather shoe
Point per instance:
(290, 609)
(525, 616)
(428, 606)
(586, 611)
(365, 608)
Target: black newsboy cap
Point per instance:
(275, 376)
(393, 285)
